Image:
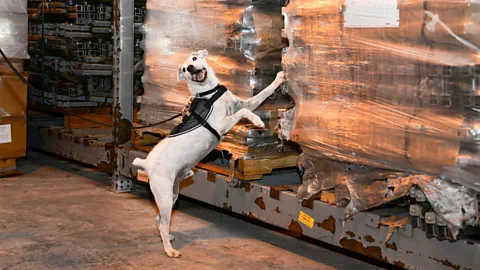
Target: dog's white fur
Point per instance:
(172, 159)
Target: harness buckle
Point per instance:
(186, 109)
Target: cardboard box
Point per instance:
(7, 166)
(5, 68)
(13, 137)
(13, 93)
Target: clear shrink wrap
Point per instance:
(245, 47)
(13, 29)
(388, 84)
(366, 187)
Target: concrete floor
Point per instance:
(61, 215)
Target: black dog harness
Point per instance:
(197, 111)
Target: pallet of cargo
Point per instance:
(244, 168)
(92, 146)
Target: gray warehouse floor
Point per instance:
(60, 215)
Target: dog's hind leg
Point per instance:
(163, 192)
(176, 191)
(176, 185)
(171, 237)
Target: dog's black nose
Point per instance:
(191, 68)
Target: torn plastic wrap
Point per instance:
(391, 84)
(454, 203)
(14, 29)
(245, 46)
(365, 188)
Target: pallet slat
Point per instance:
(8, 168)
(265, 166)
(224, 170)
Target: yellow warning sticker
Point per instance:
(306, 219)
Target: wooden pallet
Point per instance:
(245, 169)
(8, 168)
(252, 169)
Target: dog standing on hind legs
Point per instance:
(210, 114)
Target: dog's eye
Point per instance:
(183, 69)
(194, 58)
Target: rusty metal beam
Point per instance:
(409, 248)
(123, 38)
(123, 58)
(271, 200)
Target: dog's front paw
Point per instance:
(280, 78)
(258, 122)
(172, 253)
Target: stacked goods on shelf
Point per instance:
(390, 85)
(72, 45)
(139, 19)
(244, 43)
(71, 52)
(13, 92)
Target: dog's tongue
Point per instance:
(199, 76)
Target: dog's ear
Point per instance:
(181, 77)
(204, 54)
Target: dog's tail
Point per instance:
(142, 163)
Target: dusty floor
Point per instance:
(60, 215)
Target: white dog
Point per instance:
(172, 159)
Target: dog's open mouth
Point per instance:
(199, 75)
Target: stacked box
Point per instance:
(13, 117)
(13, 34)
(244, 43)
(13, 92)
(381, 87)
(13, 29)
(390, 84)
(71, 43)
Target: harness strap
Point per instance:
(220, 91)
(206, 93)
(189, 110)
(204, 123)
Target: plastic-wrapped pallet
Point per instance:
(13, 33)
(389, 84)
(14, 28)
(244, 43)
